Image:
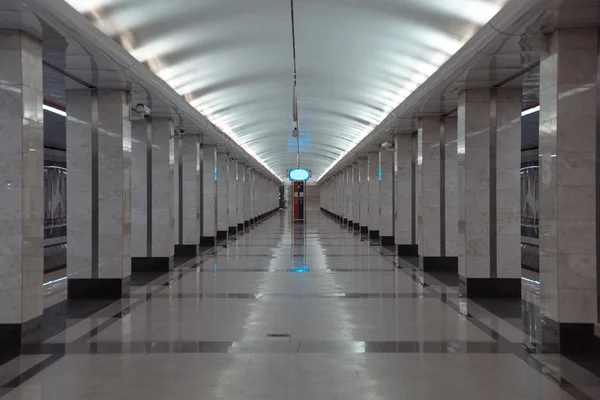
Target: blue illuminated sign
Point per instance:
(299, 175)
(300, 270)
(379, 174)
(215, 174)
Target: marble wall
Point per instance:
(568, 165)
(139, 188)
(21, 171)
(373, 184)
(209, 191)
(386, 194)
(191, 190)
(403, 202)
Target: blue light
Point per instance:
(300, 270)
(215, 174)
(299, 175)
(379, 174)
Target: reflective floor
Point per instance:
(294, 312)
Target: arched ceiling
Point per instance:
(232, 60)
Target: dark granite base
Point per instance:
(186, 250)
(364, 229)
(240, 228)
(569, 338)
(150, 264)
(387, 240)
(344, 221)
(408, 250)
(232, 230)
(439, 264)
(221, 235)
(104, 288)
(207, 241)
(356, 226)
(350, 223)
(14, 336)
(491, 287)
(373, 234)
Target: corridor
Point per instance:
(288, 311)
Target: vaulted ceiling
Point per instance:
(232, 60)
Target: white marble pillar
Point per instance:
(233, 197)
(363, 195)
(373, 185)
(489, 154)
(450, 192)
(240, 168)
(434, 189)
(569, 189)
(386, 197)
(404, 199)
(188, 215)
(99, 166)
(247, 198)
(252, 196)
(348, 195)
(222, 195)
(21, 190)
(209, 195)
(356, 196)
(152, 164)
(340, 196)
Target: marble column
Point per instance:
(348, 193)
(247, 199)
(489, 162)
(405, 159)
(433, 187)
(222, 176)
(363, 187)
(341, 197)
(240, 171)
(189, 185)
(209, 195)
(152, 164)
(569, 178)
(21, 191)
(99, 166)
(356, 196)
(373, 186)
(233, 197)
(252, 196)
(386, 197)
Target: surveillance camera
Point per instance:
(142, 109)
(181, 131)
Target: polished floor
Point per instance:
(293, 312)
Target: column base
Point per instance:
(408, 250)
(151, 264)
(364, 229)
(569, 338)
(186, 250)
(207, 241)
(232, 230)
(356, 226)
(221, 235)
(373, 234)
(350, 224)
(386, 240)
(490, 287)
(15, 336)
(440, 264)
(104, 288)
(344, 221)
(240, 228)
(247, 224)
